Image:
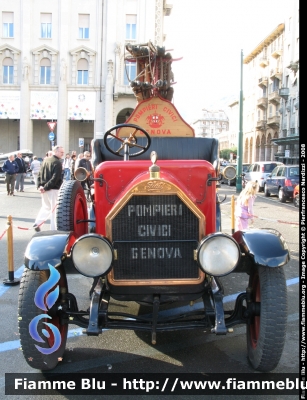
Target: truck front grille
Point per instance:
(155, 237)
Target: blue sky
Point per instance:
(209, 35)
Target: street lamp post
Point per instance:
(240, 136)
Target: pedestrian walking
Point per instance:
(21, 174)
(66, 167)
(48, 154)
(72, 166)
(10, 168)
(245, 205)
(35, 167)
(49, 182)
(80, 156)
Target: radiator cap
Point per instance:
(154, 169)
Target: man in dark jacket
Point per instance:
(20, 177)
(11, 168)
(49, 181)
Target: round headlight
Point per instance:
(218, 254)
(92, 255)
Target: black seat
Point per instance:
(170, 148)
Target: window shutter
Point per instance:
(7, 17)
(46, 18)
(84, 20)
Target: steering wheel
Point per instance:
(127, 143)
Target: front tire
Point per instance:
(266, 332)
(72, 207)
(27, 311)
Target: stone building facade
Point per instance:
(271, 95)
(64, 62)
(211, 123)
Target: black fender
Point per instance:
(48, 248)
(261, 247)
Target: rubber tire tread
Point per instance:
(296, 200)
(273, 320)
(282, 197)
(65, 218)
(27, 310)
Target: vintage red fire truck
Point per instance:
(153, 236)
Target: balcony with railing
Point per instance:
(275, 73)
(262, 103)
(276, 51)
(261, 124)
(274, 120)
(264, 61)
(284, 93)
(274, 97)
(263, 81)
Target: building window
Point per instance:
(130, 72)
(46, 25)
(8, 71)
(45, 72)
(8, 24)
(82, 72)
(84, 26)
(131, 27)
(275, 86)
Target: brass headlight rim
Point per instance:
(91, 236)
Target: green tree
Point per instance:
(225, 153)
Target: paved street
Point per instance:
(122, 351)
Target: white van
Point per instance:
(259, 170)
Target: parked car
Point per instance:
(296, 196)
(282, 181)
(259, 170)
(224, 163)
(2, 173)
